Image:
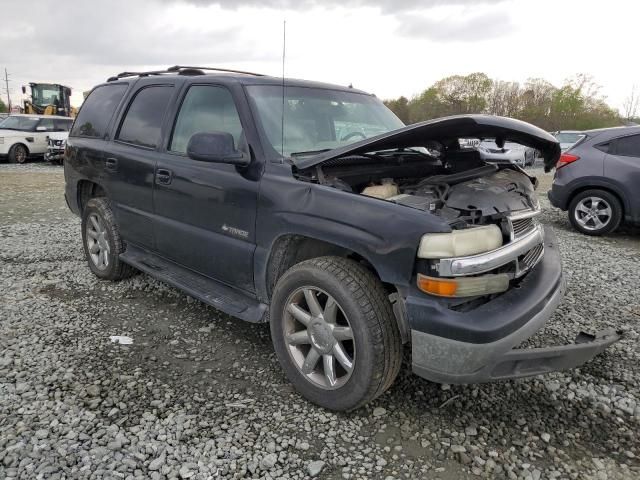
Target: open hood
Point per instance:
(447, 130)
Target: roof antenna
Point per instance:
(284, 44)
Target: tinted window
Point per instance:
(603, 147)
(628, 146)
(47, 123)
(205, 108)
(97, 110)
(62, 125)
(17, 122)
(142, 123)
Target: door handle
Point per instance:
(111, 164)
(163, 176)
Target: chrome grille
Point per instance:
(527, 261)
(522, 225)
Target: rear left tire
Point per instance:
(102, 242)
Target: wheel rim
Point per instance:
(97, 242)
(593, 213)
(319, 338)
(21, 154)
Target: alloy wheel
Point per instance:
(319, 337)
(593, 213)
(97, 242)
(20, 154)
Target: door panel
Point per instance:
(129, 163)
(205, 219)
(130, 177)
(623, 166)
(205, 212)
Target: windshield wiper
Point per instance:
(310, 152)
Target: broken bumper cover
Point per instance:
(478, 346)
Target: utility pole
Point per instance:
(6, 81)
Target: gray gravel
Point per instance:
(200, 395)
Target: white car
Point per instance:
(568, 138)
(510, 152)
(55, 149)
(24, 136)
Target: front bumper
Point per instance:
(477, 346)
(54, 155)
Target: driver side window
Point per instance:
(206, 108)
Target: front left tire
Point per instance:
(18, 154)
(334, 332)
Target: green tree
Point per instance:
(576, 104)
(400, 107)
(3, 107)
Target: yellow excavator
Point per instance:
(49, 99)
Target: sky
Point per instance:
(386, 47)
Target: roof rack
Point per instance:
(181, 70)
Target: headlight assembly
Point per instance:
(460, 243)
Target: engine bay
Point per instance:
(456, 185)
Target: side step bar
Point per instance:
(206, 290)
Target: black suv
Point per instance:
(313, 208)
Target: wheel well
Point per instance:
(288, 250)
(24, 145)
(579, 190)
(88, 190)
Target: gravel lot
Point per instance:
(200, 395)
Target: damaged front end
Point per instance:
(491, 281)
(489, 208)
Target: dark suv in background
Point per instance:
(312, 207)
(597, 181)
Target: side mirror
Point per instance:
(216, 147)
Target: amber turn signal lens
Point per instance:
(464, 286)
(437, 286)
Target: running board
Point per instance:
(206, 290)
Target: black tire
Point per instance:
(113, 268)
(590, 227)
(18, 153)
(376, 339)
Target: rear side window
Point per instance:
(143, 121)
(628, 146)
(97, 110)
(62, 125)
(47, 123)
(206, 108)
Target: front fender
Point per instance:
(387, 235)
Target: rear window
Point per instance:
(566, 137)
(97, 110)
(628, 146)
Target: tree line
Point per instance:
(575, 105)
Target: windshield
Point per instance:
(568, 137)
(318, 119)
(43, 95)
(26, 124)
